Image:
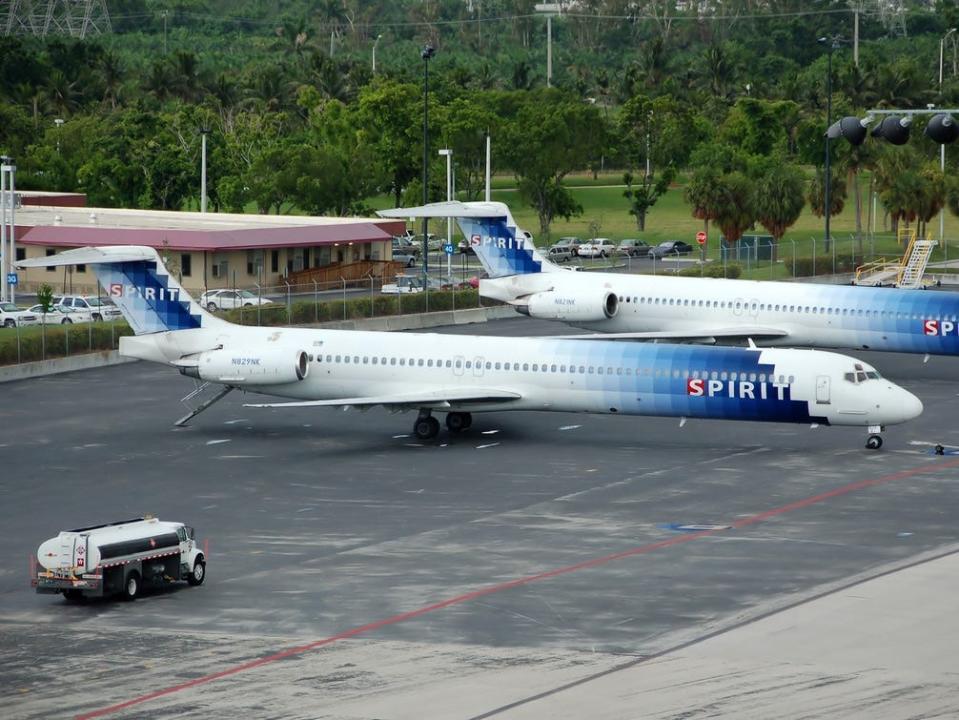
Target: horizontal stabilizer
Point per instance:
(451, 209)
(742, 333)
(418, 399)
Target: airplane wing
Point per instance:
(707, 335)
(427, 398)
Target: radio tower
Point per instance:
(76, 18)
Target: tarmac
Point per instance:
(539, 565)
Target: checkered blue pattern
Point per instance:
(150, 299)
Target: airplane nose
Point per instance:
(911, 405)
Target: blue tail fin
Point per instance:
(501, 246)
(136, 280)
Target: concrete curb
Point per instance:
(54, 366)
(23, 371)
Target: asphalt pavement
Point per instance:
(534, 566)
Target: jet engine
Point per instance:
(275, 366)
(552, 305)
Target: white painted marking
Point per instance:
(488, 445)
(395, 437)
(216, 442)
(238, 457)
(234, 422)
(570, 427)
(490, 432)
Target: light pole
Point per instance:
(942, 49)
(549, 51)
(59, 123)
(832, 44)
(203, 133)
(374, 51)
(427, 54)
(449, 196)
(8, 224)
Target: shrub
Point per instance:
(804, 265)
(713, 270)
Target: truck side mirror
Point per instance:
(190, 533)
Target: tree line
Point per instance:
(297, 121)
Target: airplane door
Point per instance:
(458, 362)
(478, 367)
(822, 389)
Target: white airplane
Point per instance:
(704, 310)
(460, 375)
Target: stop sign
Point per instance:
(701, 237)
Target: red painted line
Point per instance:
(518, 582)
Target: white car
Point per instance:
(231, 299)
(61, 315)
(599, 247)
(99, 308)
(409, 284)
(12, 316)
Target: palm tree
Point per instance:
(111, 73)
(719, 71)
(736, 211)
(702, 194)
(816, 193)
(779, 199)
(62, 94)
(31, 96)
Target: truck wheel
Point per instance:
(97, 317)
(199, 572)
(132, 587)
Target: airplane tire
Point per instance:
(458, 421)
(426, 428)
(874, 442)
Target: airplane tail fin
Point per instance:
(501, 246)
(136, 280)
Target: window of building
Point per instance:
(186, 264)
(51, 253)
(21, 254)
(275, 261)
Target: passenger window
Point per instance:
(459, 363)
(525, 367)
(356, 359)
(449, 363)
(489, 365)
(402, 361)
(599, 371)
(582, 369)
(419, 362)
(392, 361)
(338, 358)
(535, 367)
(591, 369)
(429, 363)
(469, 364)
(329, 358)
(382, 361)
(792, 379)
(366, 359)
(497, 366)
(375, 360)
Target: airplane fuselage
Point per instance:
(776, 385)
(822, 316)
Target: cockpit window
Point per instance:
(861, 375)
(873, 375)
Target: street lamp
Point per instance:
(832, 44)
(203, 133)
(942, 48)
(59, 123)
(449, 196)
(427, 54)
(374, 51)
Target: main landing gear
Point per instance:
(874, 442)
(427, 427)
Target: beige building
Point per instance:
(208, 250)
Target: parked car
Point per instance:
(633, 248)
(214, 300)
(599, 247)
(573, 242)
(670, 248)
(404, 284)
(405, 257)
(99, 308)
(407, 245)
(12, 316)
(560, 252)
(61, 315)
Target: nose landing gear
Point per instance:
(874, 442)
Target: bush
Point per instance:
(844, 264)
(39, 342)
(713, 270)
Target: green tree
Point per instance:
(645, 194)
(736, 209)
(816, 193)
(702, 194)
(779, 198)
(551, 135)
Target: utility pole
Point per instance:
(203, 134)
(164, 14)
(549, 50)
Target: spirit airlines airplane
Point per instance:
(704, 310)
(460, 375)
